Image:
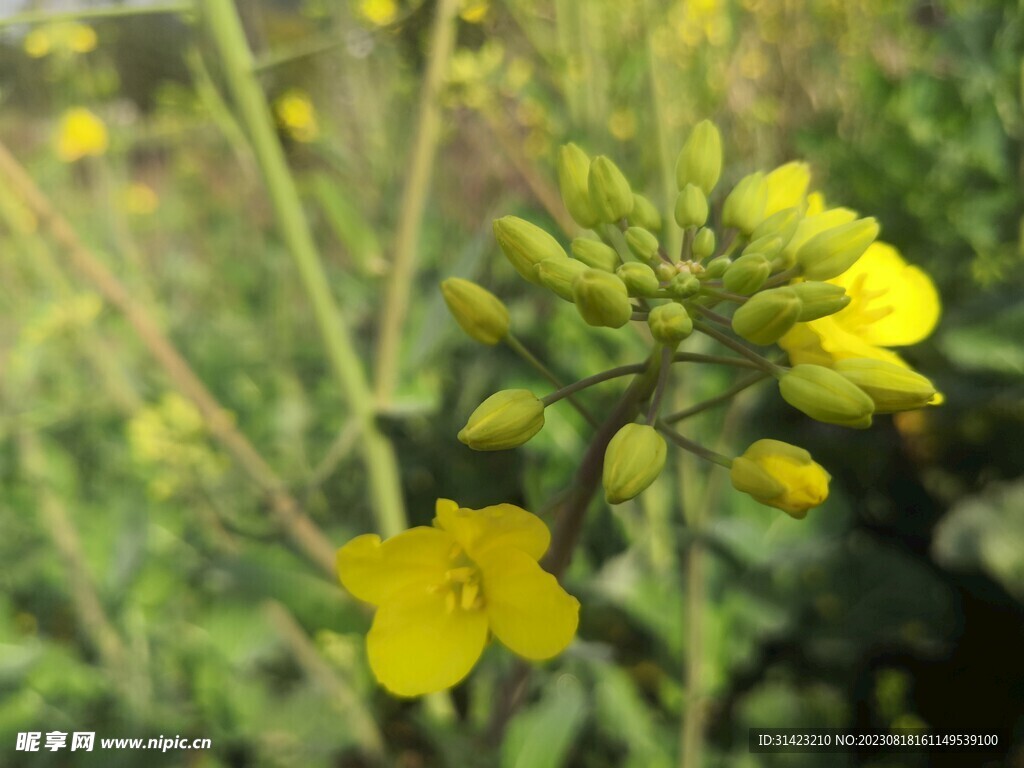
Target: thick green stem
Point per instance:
(84, 14)
(226, 31)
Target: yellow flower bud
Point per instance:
(703, 243)
(700, 162)
(892, 387)
(595, 254)
(504, 420)
(809, 226)
(633, 460)
(744, 207)
(609, 190)
(645, 214)
(832, 252)
(573, 170)
(766, 316)
(826, 396)
(747, 274)
(642, 244)
(558, 275)
(480, 313)
(782, 224)
(526, 245)
(819, 299)
(601, 299)
(782, 476)
(639, 278)
(691, 207)
(670, 323)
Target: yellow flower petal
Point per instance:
(502, 525)
(527, 607)
(374, 572)
(787, 187)
(824, 341)
(418, 645)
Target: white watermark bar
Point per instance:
(793, 740)
(86, 741)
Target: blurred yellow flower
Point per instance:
(70, 37)
(474, 11)
(379, 12)
(140, 199)
(441, 591)
(622, 124)
(297, 115)
(80, 133)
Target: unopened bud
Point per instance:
(645, 214)
(703, 243)
(639, 278)
(892, 387)
(780, 475)
(558, 275)
(717, 267)
(595, 254)
(827, 396)
(766, 316)
(609, 190)
(691, 207)
(526, 245)
(700, 162)
(781, 224)
(768, 246)
(670, 323)
(633, 460)
(573, 170)
(665, 271)
(601, 299)
(747, 274)
(683, 285)
(830, 253)
(479, 312)
(504, 420)
(744, 207)
(809, 226)
(819, 300)
(642, 244)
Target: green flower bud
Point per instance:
(595, 254)
(645, 214)
(700, 162)
(559, 274)
(703, 243)
(573, 170)
(479, 312)
(826, 396)
(747, 273)
(601, 299)
(832, 252)
(809, 226)
(639, 278)
(691, 207)
(525, 245)
(782, 224)
(504, 420)
(609, 190)
(665, 271)
(670, 323)
(683, 285)
(717, 267)
(768, 246)
(819, 299)
(642, 243)
(766, 316)
(744, 206)
(782, 476)
(633, 460)
(892, 387)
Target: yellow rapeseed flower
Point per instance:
(441, 591)
(80, 133)
(379, 12)
(64, 38)
(297, 115)
(474, 11)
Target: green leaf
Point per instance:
(541, 736)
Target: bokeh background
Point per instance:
(157, 578)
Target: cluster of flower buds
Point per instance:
(777, 271)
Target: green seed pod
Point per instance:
(832, 252)
(645, 214)
(573, 170)
(717, 267)
(601, 299)
(825, 395)
(703, 243)
(691, 207)
(639, 278)
(559, 274)
(642, 243)
(504, 420)
(595, 254)
(479, 312)
(781, 224)
(744, 206)
(766, 316)
(683, 285)
(892, 387)
(747, 274)
(819, 299)
(609, 190)
(633, 460)
(525, 245)
(670, 323)
(700, 162)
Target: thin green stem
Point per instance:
(228, 36)
(782, 277)
(597, 378)
(107, 12)
(763, 363)
(664, 366)
(694, 448)
(517, 346)
(724, 397)
(697, 357)
(712, 315)
(724, 295)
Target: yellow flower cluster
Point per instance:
(61, 38)
(80, 133)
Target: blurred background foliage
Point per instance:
(148, 589)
